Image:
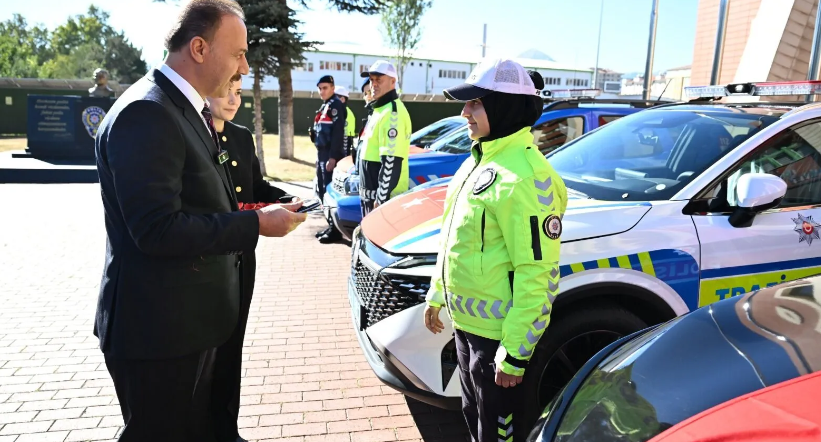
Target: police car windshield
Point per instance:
(652, 154)
(428, 134)
(457, 142)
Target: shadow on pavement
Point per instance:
(436, 424)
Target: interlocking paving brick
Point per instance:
(304, 376)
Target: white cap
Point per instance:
(381, 67)
(341, 90)
(493, 75)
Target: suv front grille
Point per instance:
(386, 295)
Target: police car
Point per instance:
(567, 115)
(671, 208)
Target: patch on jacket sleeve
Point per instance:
(485, 180)
(552, 227)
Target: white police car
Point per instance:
(670, 208)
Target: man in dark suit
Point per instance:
(171, 285)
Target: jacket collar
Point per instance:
(385, 99)
(484, 151)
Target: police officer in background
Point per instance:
(350, 120)
(497, 271)
(328, 134)
(385, 143)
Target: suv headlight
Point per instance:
(352, 185)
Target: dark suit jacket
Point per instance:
(171, 282)
(244, 167)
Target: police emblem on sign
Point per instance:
(92, 116)
(486, 178)
(552, 227)
(392, 132)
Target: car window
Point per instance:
(794, 156)
(650, 155)
(555, 133)
(458, 142)
(604, 119)
(429, 134)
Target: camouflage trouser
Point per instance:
(490, 410)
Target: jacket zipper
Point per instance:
(482, 235)
(450, 226)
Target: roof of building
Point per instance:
(681, 68)
(448, 55)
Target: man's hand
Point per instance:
(432, 321)
(330, 165)
(375, 204)
(279, 219)
(506, 380)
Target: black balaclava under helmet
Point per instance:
(509, 113)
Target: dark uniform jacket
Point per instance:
(329, 129)
(245, 170)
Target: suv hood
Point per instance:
(411, 222)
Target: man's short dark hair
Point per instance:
(199, 18)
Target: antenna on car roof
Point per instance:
(658, 100)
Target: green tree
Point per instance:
(87, 42)
(22, 49)
(401, 29)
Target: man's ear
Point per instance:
(198, 47)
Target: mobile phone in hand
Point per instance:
(310, 206)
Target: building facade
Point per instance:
(424, 74)
(765, 40)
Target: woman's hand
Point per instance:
(432, 321)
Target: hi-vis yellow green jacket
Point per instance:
(497, 271)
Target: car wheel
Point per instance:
(567, 345)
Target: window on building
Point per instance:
(449, 73)
(337, 66)
(305, 67)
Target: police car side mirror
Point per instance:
(757, 192)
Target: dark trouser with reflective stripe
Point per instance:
(490, 410)
(323, 177)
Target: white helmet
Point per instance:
(342, 91)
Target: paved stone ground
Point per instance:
(305, 378)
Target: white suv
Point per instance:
(670, 209)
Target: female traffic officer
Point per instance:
(497, 271)
(252, 192)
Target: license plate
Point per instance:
(357, 310)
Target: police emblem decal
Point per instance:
(552, 227)
(392, 132)
(91, 117)
(486, 178)
(807, 229)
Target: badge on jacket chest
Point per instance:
(552, 227)
(485, 180)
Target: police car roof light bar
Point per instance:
(755, 89)
(571, 93)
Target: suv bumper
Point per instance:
(342, 211)
(389, 369)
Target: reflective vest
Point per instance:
(386, 135)
(350, 124)
(497, 271)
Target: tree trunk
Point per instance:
(286, 111)
(258, 119)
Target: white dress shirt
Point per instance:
(185, 87)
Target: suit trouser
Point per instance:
(164, 399)
(490, 410)
(225, 397)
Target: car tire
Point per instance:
(570, 340)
